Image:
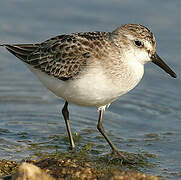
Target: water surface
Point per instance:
(148, 119)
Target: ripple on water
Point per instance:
(147, 119)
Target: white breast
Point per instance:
(92, 88)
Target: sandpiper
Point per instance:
(91, 68)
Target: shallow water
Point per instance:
(148, 119)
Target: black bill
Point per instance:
(158, 61)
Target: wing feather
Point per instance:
(62, 56)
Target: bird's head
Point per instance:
(141, 43)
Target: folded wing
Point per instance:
(62, 56)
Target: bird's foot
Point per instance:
(123, 158)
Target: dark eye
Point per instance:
(138, 43)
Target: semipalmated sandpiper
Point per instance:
(91, 68)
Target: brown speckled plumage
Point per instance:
(62, 56)
(136, 30)
(65, 56)
(92, 68)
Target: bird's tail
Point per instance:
(21, 51)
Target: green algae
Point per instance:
(81, 161)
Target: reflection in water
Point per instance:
(147, 119)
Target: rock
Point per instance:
(28, 171)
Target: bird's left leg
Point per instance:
(67, 122)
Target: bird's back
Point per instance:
(62, 56)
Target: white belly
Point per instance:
(90, 89)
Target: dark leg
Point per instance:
(101, 130)
(66, 118)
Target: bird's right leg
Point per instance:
(65, 113)
(113, 147)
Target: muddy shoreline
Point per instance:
(77, 165)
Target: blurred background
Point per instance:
(148, 119)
